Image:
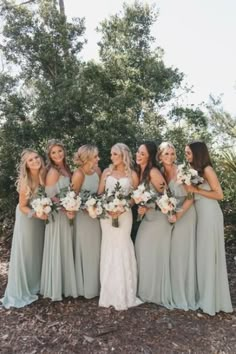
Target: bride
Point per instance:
(118, 269)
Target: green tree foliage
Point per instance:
(44, 47)
(50, 92)
(222, 123)
(41, 98)
(131, 79)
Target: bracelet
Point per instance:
(30, 213)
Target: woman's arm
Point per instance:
(98, 171)
(52, 177)
(23, 203)
(24, 207)
(158, 183)
(186, 205)
(135, 180)
(157, 180)
(216, 190)
(77, 180)
(102, 184)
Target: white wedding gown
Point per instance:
(118, 270)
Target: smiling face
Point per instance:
(142, 156)
(188, 154)
(168, 156)
(33, 161)
(116, 158)
(57, 154)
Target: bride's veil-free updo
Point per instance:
(125, 152)
(84, 154)
(24, 179)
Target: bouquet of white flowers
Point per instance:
(116, 201)
(94, 206)
(143, 196)
(187, 175)
(69, 200)
(42, 205)
(167, 203)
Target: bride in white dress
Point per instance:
(118, 268)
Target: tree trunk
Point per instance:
(62, 7)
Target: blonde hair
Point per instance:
(51, 143)
(125, 152)
(84, 154)
(164, 146)
(24, 179)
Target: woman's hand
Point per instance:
(42, 217)
(114, 215)
(70, 214)
(172, 218)
(191, 188)
(142, 210)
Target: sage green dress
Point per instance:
(58, 270)
(25, 261)
(87, 245)
(183, 254)
(214, 295)
(152, 247)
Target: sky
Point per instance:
(198, 37)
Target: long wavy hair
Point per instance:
(126, 155)
(152, 153)
(51, 143)
(201, 156)
(24, 179)
(84, 154)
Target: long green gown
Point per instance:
(152, 247)
(183, 254)
(87, 245)
(214, 295)
(25, 261)
(58, 270)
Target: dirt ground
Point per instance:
(80, 326)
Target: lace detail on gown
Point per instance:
(118, 270)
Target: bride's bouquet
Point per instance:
(143, 196)
(167, 203)
(187, 175)
(116, 201)
(43, 205)
(69, 200)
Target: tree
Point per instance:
(40, 98)
(222, 123)
(131, 82)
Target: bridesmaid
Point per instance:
(183, 240)
(87, 236)
(214, 295)
(154, 235)
(27, 244)
(58, 272)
